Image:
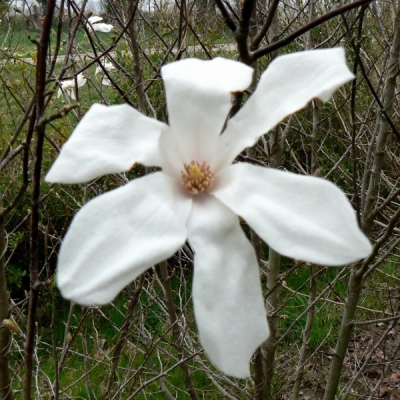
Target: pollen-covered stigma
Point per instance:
(197, 177)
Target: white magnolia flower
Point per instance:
(109, 66)
(94, 25)
(197, 195)
(68, 86)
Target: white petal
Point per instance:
(172, 163)
(199, 99)
(109, 66)
(101, 27)
(288, 84)
(80, 79)
(93, 24)
(116, 237)
(107, 140)
(67, 84)
(228, 302)
(301, 217)
(94, 19)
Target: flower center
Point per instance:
(197, 177)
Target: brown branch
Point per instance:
(177, 333)
(376, 97)
(356, 47)
(6, 392)
(318, 21)
(264, 29)
(35, 200)
(134, 301)
(10, 207)
(227, 18)
(242, 34)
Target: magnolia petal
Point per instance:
(199, 99)
(70, 83)
(227, 297)
(93, 23)
(95, 18)
(302, 217)
(107, 140)
(116, 237)
(68, 86)
(101, 27)
(106, 65)
(172, 164)
(288, 84)
(81, 80)
(69, 92)
(109, 66)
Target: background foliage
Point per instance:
(334, 330)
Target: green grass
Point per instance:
(88, 358)
(17, 39)
(328, 314)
